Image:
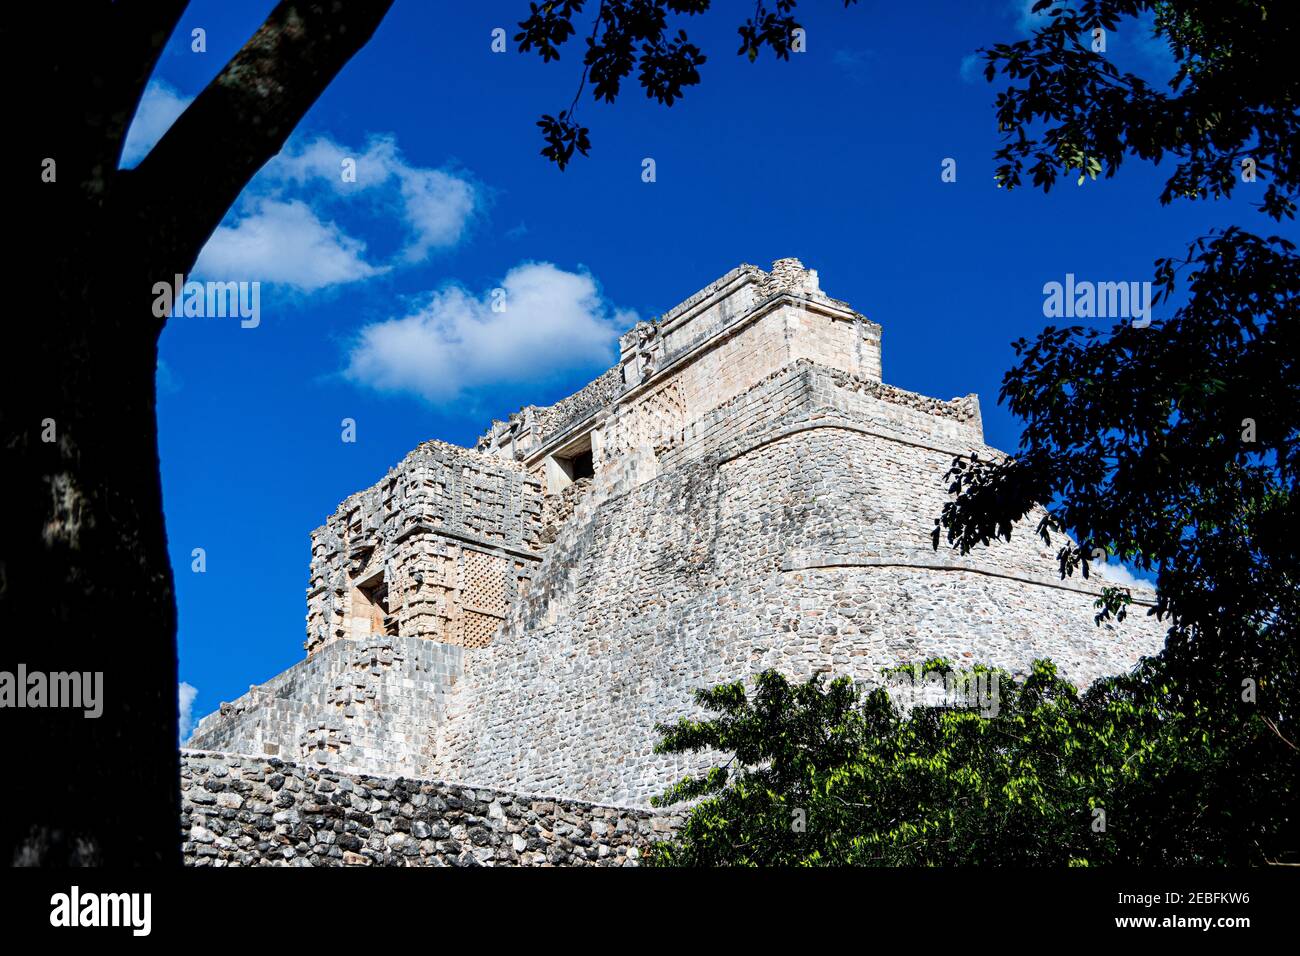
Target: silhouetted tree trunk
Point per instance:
(85, 581)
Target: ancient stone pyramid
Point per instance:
(740, 491)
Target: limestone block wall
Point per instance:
(803, 391)
(683, 404)
(712, 308)
(735, 363)
(786, 394)
(371, 703)
(849, 343)
(437, 549)
(250, 811)
(803, 545)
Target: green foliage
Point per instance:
(1233, 97)
(1137, 441)
(1132, 772)
(1172, 447)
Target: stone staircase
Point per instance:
(552, 587)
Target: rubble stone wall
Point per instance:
(581, 404)
(558, 508)
(249, 811)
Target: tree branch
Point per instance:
(241, 120)
(1273, 727)
(139, 30)
(87, 86)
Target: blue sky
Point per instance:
(375, 298)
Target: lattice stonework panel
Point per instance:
(482, 596)
(484, 584)
(479, 629)
(650, 421)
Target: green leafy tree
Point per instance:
(1174, 446)
(826, 776)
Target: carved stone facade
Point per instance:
(434, 550)
(741, 491)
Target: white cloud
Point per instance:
(553, 322)
(435, 206)
(1118, 574)
(286, 227)
(438, 207)
(972, 67)
(159, 107)
(185, 700)
(284, 242)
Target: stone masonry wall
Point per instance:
(558, 508)
(804, 546)
(249, 811)
(804, 390)
(373, 702)
(734, 364)
(590, 398)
